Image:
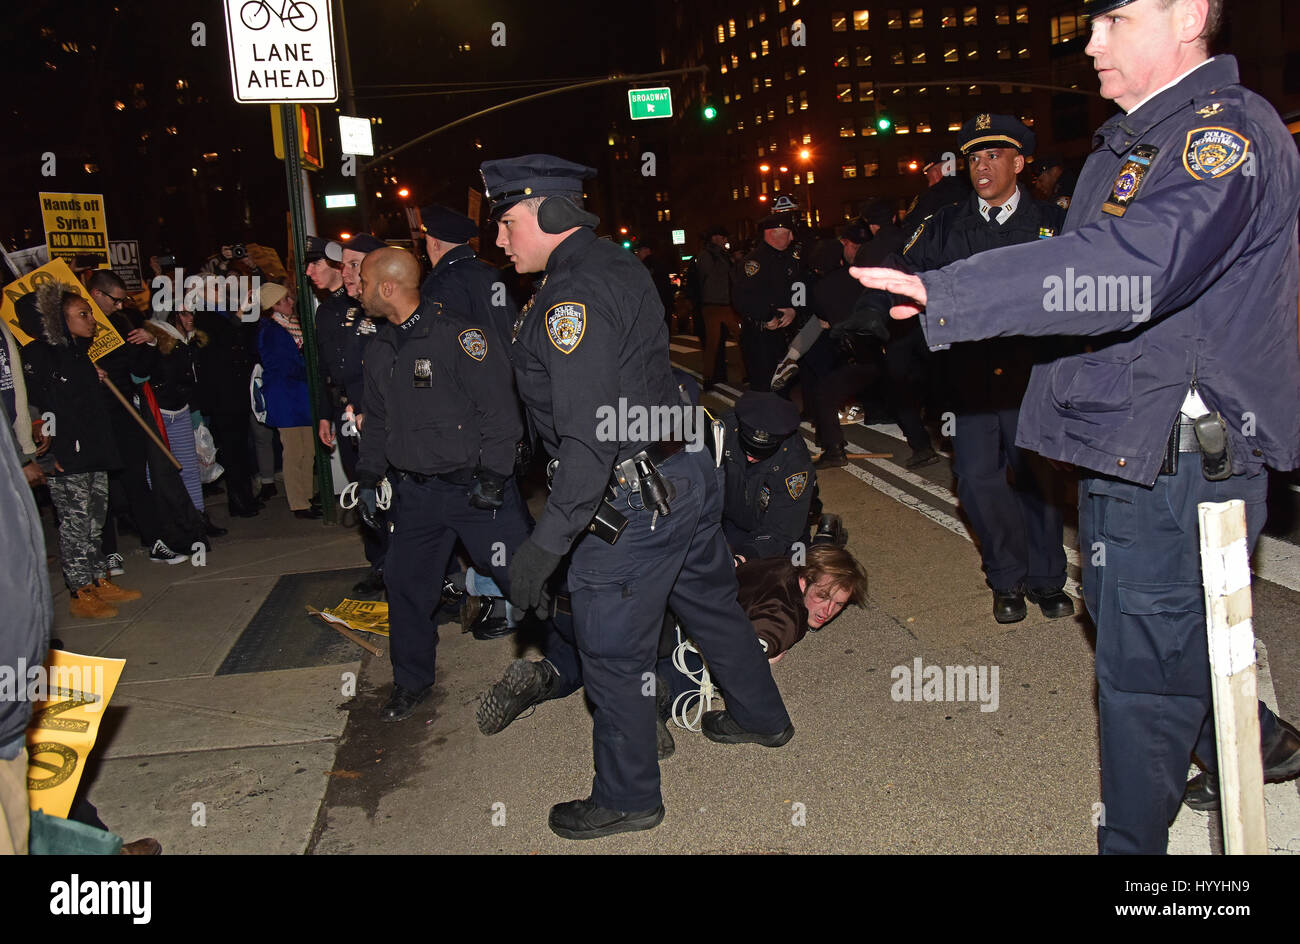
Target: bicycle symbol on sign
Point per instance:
(301, 15)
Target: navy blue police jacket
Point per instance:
(590, 346)
(464, 283)
(438, 399)
(342, 333)
(1190, 203)
(767, 502)
(768, 280)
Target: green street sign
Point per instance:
(650, 103)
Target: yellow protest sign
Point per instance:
(69, 694)
(75, 226)
(369, 616)
(56, 270)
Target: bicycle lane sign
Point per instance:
(281, 50)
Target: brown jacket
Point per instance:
(770, 596)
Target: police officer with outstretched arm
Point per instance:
(1190, 385)
(440, 411)
(593, 339)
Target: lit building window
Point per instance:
(969, 16)
(1004, 51)
(864, 57)
(767, 81)
(806, 139)
(1027, 120)
(896, 55)
(915, 18)
(803, 101)
(843, 92)
(785, 36)
(841, 59)
(954, 121)
(846, 128)
(948, 19)
(810, 179)
(731, 27)
(894, 19)
(950, 53)
(861, 19)
(848, 171)
(801, 70)
(866, 91)
(1002, 15)
(765, 49)
(839, 22)
(918, 55)
(1022, 14)
(923, 125)
(972, 50)
(789, 104)
(1022, 52)
(722, 34)
(871, 164)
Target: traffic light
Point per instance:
(627, 244)
(309, 138)
(884, 124)
(710, 111)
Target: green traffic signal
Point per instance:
(710, 113)
(627, 244)
(884, 124)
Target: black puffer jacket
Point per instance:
(173, 379)
(62, 380)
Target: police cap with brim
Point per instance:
(1092, 8)
(995, 131)
(509, 180)
(447, 225)
(315, 249)
(764, 421)
(776, 221)
(361, 242)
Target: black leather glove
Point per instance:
(870, 316)
(530, 567)
(488, 491)
(367, 507)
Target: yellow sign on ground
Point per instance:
(368, 616)
(56, 270)
(75, 226)
(70, 694)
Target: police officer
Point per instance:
(591, 340)
(769, 293)
(460, 280)
(1019, 529)
(945, 186)
(770, 480)
(1190, 197)
(440, 412)
(342, 332)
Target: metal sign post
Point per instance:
(293, 179)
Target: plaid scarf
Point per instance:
(289, 323)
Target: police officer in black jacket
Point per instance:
(770, 293)
(769, 475)
(440, 411)
(460, 280)
(593, 342)
(1019, 527)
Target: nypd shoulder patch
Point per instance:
(565, 325)
(795, 484)
(751, 268)
(1214, 152)
(474, 343)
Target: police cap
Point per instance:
(764, 421)
(777, 221)
(315, 249)
(507, 181)
(1093, 8)
(991, 131)
(446, 225)
(361, 242)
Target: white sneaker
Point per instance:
(115, 568)
(785, 372)
(160, 553)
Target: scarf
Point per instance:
(291, 325)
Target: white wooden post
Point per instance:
(1225, 574)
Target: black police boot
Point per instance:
(1281, 759)
(921, 457)
(832, 457)
(525, 684)
(721, 727)
(1009, 606)
(453, 594)
(1054, 603)
(401, 705)
(210, 529)
(830, 530)
(483, 617)
(373, 582)
(583, 819)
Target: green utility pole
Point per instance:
(293, 180)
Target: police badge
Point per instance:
(1214, 152)
(565, 325)
(751, 268)
(1129, 179)
(473, 343)
(796, 483)
(422, 376)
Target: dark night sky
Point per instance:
(67, 63)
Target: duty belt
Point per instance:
(458, 477)
(1206, 435)
(625, 473)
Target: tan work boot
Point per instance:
(110, 592)
(88, 605)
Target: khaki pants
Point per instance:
(715, 317)
(15, 813)
(299, 459)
